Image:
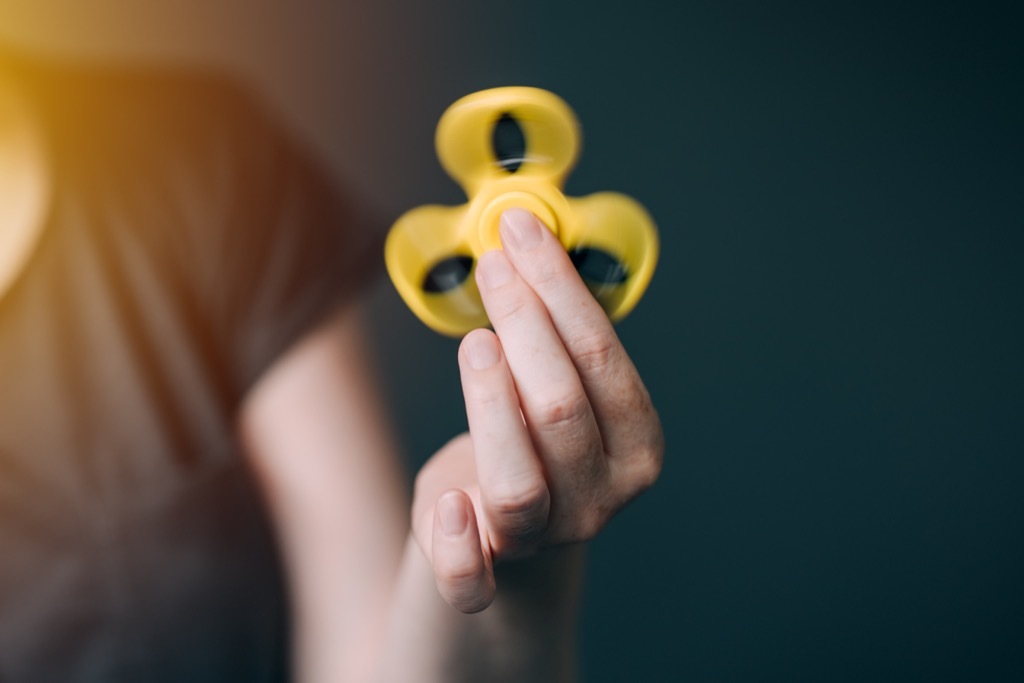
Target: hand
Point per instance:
(562, 432)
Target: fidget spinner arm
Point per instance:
(514, 147)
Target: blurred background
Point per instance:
(834, 334)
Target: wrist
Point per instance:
(544, 590)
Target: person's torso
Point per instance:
(133, 543)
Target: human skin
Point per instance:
(481, 581)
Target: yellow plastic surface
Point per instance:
(426, 236)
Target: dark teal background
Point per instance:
(833, 337)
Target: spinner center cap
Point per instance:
(490, 217)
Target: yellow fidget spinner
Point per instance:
(514, 147)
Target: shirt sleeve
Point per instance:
(289, 247)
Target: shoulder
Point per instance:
(110, 117)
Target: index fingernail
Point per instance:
(481, 351)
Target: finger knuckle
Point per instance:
(466, 587)
(514, 306)
(648, 471)
(589, 524)
(551, 275)
(645, 466)
(563, 411)
(463, 581)
(519, 508)
(458, 575)
(489, 398)
(596, 353)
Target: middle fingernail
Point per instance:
(520, 228)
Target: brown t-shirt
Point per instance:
(190, 240)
